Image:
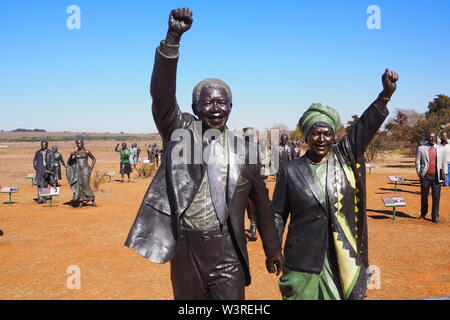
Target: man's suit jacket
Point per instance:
(38, 164)
(423, 161)
(156, 229)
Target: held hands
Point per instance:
(180, 21)
(275, 264)
(389, 80)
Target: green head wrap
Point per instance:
(318, 113)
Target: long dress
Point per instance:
(79, 175)
(57, 166)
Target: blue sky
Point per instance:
(277, 56)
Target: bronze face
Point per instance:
(44, 145)
(284, 139)
(215, 108)
(80, 144)
(431, 139)
(319, 141)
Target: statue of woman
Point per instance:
(79, 174)
(59, 160)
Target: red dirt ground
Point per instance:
(40, 242)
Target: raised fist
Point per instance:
(180, 21)
(389, 80)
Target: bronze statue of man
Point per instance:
(193, 213)
(324, 194)
(432, 169)
(285, 151)
(43, 163)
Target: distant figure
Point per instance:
(432, 168)
(265, 155)
(138, 153)
(125, 167)
(78, 174)
(1, 233)
(43, 163)
(134, 155)
(297, 150)
(153, 154)
(286, 152)
(446, 145)
(59, 160)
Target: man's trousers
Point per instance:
(430, 181)
(206, 267)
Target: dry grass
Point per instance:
(97, 179)
(146, 170)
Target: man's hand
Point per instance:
(180, 21)
(275, 264)
(389, 80)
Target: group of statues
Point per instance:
(47, 164)
(193, 212)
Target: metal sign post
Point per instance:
(32, 177)
(110, 175)
(394, 202)
(395, 180)
(370, 166)
(10, 191)
(49, 193)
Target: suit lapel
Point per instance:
(311, 181)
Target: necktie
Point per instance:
(217, 183)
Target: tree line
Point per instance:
(404, 131)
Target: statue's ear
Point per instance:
(231, 106)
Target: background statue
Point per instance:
(43, 163)
(125, 166)
(59, 160)
(432, 169)
(79, 174)
(134, 155)
(285, 151)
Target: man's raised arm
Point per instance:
(163, 85)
